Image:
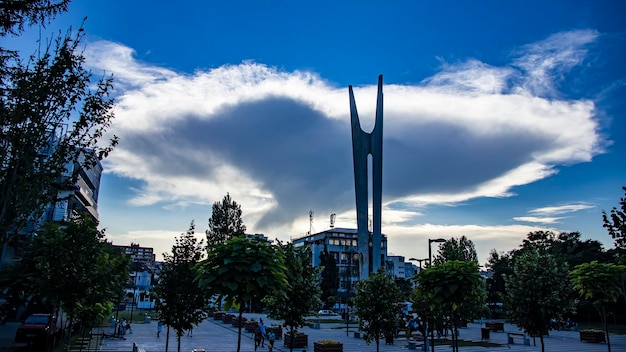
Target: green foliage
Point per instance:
(454, 287)
(462, 249)
(601, 284)
(453, 290)
(539, 290)
(378, 301)
(225, 221)
(597, 282)
(501, 265)
(70, 265)
(406, 287)
(181, 302)
(615, 223)
(302, 293)
(241, 269)
(53, 114)
(330, 278)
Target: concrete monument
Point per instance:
(364, 144)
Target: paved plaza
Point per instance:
(215, 336)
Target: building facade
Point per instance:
(343, 245)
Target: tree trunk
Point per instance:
(167, 338)
(377, 344)
(543, 348)
(178, 340)
(606, 328)
(239, 331)
(292, 330)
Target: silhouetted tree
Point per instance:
(462, 249)
(330, 278)
(225, 221)
(615, 223)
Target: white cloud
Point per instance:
(279, 141)
(541, 220)
(561, 209)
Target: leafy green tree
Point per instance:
(601, 284)
(539, 290)
(501, 265)
(406, 287)
(225, 221)
(454, 289)
(301, 296)
(330, 278)
(379, 303)
(569, 247)
(181, 302)
(241, 269)
(52, 113)
(462, 249)
(615, 223)
(70, 266)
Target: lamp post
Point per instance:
(430, 241)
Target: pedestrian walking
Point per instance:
(159, 328)
(257, 338)
(271, 337)
(263, 330)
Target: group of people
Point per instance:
(562, 324)
(261, 334)
(120, 328)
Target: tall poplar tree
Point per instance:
(225, 221)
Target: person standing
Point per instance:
(263, 330)
(271, 337)
(159, 328)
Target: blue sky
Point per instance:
(501, 117)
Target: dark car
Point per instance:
(37, 328)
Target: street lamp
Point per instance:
(430, 241)
(419, 261)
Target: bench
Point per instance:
(494, 326)
(512, 335)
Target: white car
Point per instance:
(326, 312)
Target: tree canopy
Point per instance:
(181, 302)
(70, 266)
(453, 289)
(537, 291)
(225, 221)
(601, 284)
(378, 302)
(53, 111)
(456, 249)
(302, 294)
(615, 223)
(330, 278)
(243, 268)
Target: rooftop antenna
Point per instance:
(311, 222)
(332, 220)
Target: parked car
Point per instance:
(37, 328)
(326, 312)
